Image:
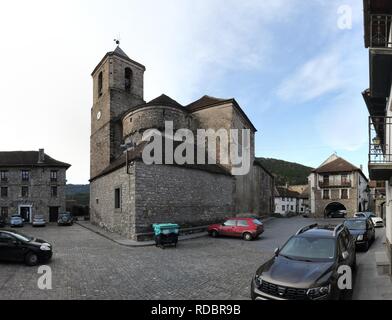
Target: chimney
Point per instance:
(41, 156)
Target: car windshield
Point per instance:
(65, 215)
(309, 249)
(16, 218)
(355, 224)
(22, 237)
(39, 217)
(257, 222)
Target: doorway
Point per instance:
(25, 213)
(53, 214)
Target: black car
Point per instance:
(65, 219)
(337, 215)
(16, 247)
(363, 230)
(3, 222)
(307, 266)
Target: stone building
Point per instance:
(32, 183)
(126, 194)
(377, 198)
(337, 185)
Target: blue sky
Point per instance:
(294, 72)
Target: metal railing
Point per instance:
(380, 137)
(380, 30)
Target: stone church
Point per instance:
(126, 195)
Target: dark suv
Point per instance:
(307, 266)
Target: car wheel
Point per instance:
(31, 259)
(215, 234)
(248, 237)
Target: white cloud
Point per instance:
(315, 78)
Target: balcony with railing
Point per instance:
(379, 34)
(338, 184)
(380, 153)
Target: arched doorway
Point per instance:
(333, 207)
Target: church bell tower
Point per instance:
(118, 86)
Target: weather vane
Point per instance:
(118, 40)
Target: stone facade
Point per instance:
(191, 194)
(44, 187)
(160, 194)
(338, 185)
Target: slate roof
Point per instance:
(164, 100)
(28, 159)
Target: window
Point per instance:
(345, 179)
(100, 84)
(53, 176)
(230, 223)
(3, 176)
(6, 238)
(54, 192)
(283, 208)
(25, 175)
(243, 223)
(117, 198)
(4, 192)
(326, 180)
(4, 212)
(25, 192)
(128, 79)
(326, 195)
(292, 208)
(344, 194)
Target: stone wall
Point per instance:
(189, 197)
(102, 202)
(40, 195)
(254, 193)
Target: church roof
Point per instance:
(28, 159)
(205, 101)
(164, 100)
(210, 102)
(119, 53)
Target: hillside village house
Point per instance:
(126, 195)
(378, 39)
(288, 201)
(32, 183)
(338, 185)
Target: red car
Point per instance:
(245, 228)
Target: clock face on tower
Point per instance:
(99, 115)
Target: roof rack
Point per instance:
(337, 229)
(307, 229)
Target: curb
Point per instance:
(136, 244)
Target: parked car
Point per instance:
(246, 228)
(16, 221)
(307, 266)
(16, 247)
(362, 229)
(3, 222)
(65, 219)
(39, 221)
(377, 221)
(341, 214)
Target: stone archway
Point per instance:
(333, 207)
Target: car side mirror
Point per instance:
(277, 251)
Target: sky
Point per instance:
(290, 65)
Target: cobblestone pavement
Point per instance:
(88, 266)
